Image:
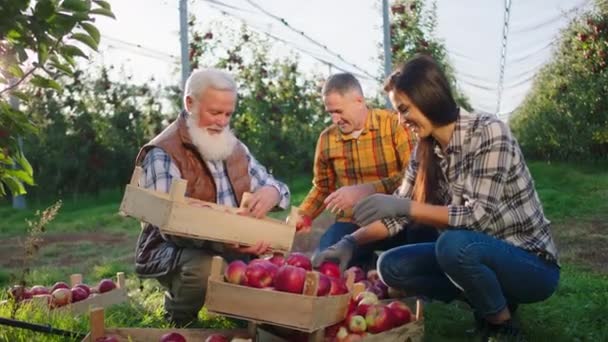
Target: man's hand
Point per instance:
(261, 247)
(341, 252)
(262, 201)
(379, 206)
(346, 197)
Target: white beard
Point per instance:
(212, 147)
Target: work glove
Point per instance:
(379, 206)
(340, 252)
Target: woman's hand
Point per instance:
(379, 206)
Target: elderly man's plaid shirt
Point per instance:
(377, 156)
(159, 170)
(487, 186)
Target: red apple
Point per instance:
(332, 330)
(235, 272)
(357, 324)
(324, 285)
(373, 276)
(359, 274)
(338, 286)
(380, 289)
(84, 287)
(106, 339)
(59, 285)
(106, 285)
(299, 260)
(19, 293)
(39, 290)
(217, 338)
(78, 294)
(258, 275)
(172, 337)
(277, 259)
(365, 304)
(61, 297)
(401, 312)
(290, 279)
(379, 318)
(330, 269)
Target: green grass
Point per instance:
(575, 198)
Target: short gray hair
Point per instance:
(202, 79)
(341, 83)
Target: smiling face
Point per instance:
(409, 115)
(213, 108)
(347, 111)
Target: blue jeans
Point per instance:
(492, 273)
(364, 255)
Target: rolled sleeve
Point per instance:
(395, 224)
(260, 177)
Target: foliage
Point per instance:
(412, 32)
(38, 42)
(565, 115)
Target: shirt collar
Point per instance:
(372, 123)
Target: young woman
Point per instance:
(469, 179)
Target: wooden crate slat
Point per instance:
(146, 205)
(411, 332)
(106, 299)
(152, 334)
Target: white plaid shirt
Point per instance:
(159, 170)
(487, 186)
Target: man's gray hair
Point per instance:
(202, 79)
(341, 83)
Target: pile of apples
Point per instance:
(367, 315)
(177, 337)
(286, 274)
(61, 294)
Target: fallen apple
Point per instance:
(78, 294)
(379, 318)
(330, 269)
(359, 274)
(106, 285)
(216, 338)
(356, 324)
(258, 275)
(290, 279)
(299, 260)
(235, 272)
(39, 290)
(172, 337)
(401, 312)
(61, 297)
(324, 285)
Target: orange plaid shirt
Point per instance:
(378, 156)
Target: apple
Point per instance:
(373, 276)
(379, 318)
(216, 338)
(39, 290)
(367, 294)
(290, 279)
(359, 274)
(78, 294)
(338, 286)
(19, 293)
(332, 330)
(380, 289)
(342, 333)
(401, 312)
(235, 272)
(330, 269)
(172, 337)
(357, 324)
(84, 287)
(277, 259)
(324, 285)
(352, 338)
(365, 304)
(106, 339)
(61, 297)
(59, 285)
(106, 285)
(299, 260)
(258, 275)
(366, 283)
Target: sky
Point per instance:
(143, 41)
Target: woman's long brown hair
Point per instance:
(425, 84)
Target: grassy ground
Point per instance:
(89, 237)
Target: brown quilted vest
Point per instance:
(155, 256)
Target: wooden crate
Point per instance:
(303, 312)
(98, 330)
(116, 296)
(178, 215)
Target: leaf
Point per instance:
(43, 82)
(103, 11)
(20, 95)
(43, 52)
(65, 68)
(76, 5)
(15, 70)
(103, 4)
(22, 175)
(26, 166)
(86, 39)
(71, 50)
(14, 185)
(92, 31)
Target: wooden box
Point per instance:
(178, 215)
(304, 312)
(98, 330)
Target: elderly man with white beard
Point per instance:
(200, 148)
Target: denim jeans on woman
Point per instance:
(492, 273)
